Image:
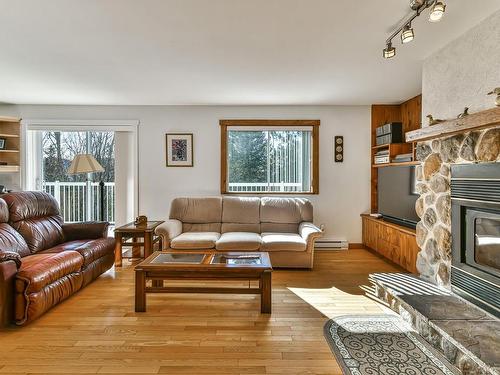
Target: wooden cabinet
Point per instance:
(392, 241)
(370, 233)
(409, 251)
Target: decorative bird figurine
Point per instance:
(464, 113)
(496, 92)
(433, 121)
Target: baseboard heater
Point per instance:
(323, 244)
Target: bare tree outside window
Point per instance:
(73, 192)
(59, 149)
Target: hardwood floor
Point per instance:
(97, 331)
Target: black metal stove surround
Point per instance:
(475, 222)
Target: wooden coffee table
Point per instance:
(163, 266)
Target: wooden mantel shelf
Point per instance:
(474, 121)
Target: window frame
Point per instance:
(225, 126)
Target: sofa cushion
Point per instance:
(279, 227)
(282, 242)
(89, 230)
(285, 210)
(35, 215)
(4, 211)
(195, 240)
(12, 241)
(245, 210)
(197, 210)
(90, 250)
(40, 270)
(244, 241)
(240, 227)
(198, 227)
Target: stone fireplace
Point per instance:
(475, 228)
(434, 231)
(458, 180)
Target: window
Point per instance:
(78, 195)
(108, 141)
(269, 156)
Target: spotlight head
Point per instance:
(416, 4)
(389, 51)
(407, 34)
(437, 11)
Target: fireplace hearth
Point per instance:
(475, 222)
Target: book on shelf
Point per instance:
(404, 156)
(382, 152)
(402, 160)
(381, 159)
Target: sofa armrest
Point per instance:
(8, 272)
(309, 232)
(168, 231)
(85, 231)
(5, 256)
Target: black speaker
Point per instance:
(338, 147)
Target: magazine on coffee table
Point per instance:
(243, 259)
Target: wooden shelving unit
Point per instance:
(410, 114)
(392, 241)
(394, 149)
(10, 155)
(395, 164)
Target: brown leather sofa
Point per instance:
(42, 260)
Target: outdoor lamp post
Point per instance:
(86, 163)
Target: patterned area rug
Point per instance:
(382, 344)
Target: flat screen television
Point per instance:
(397, 195)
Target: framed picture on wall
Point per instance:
(179, 150)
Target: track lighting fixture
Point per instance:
(437, 9)
(407, 34)
(389, 51)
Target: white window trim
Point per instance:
(75, 125)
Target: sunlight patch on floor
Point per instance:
(333, 302)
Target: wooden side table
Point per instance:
(127, 236)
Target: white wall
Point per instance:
(124, 177)
(344, 187)
(463, 72)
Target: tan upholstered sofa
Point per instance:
(281, 226)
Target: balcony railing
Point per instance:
(263, 187)
(80, 201)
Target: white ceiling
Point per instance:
(216, 51)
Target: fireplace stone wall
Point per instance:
(434, 204)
